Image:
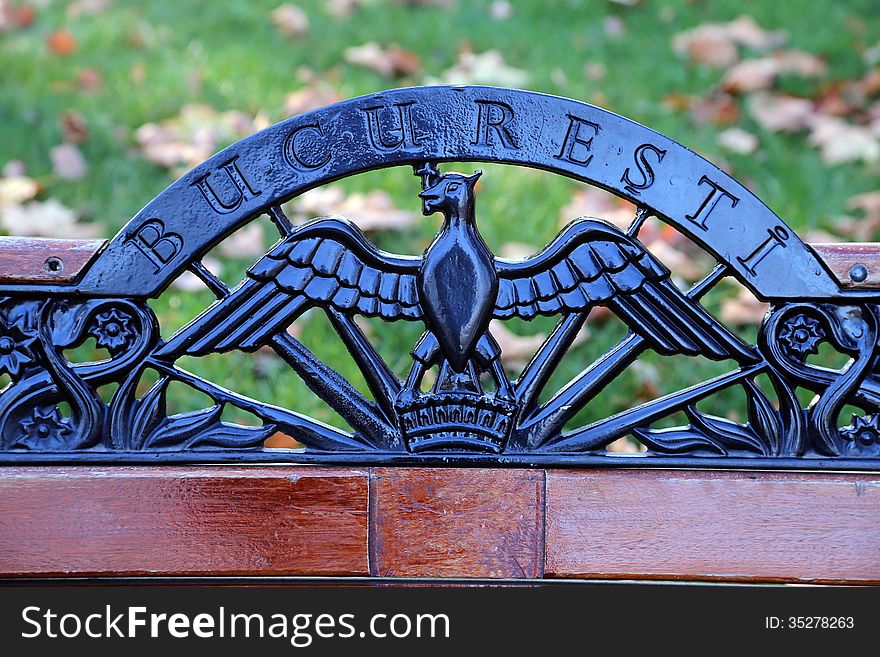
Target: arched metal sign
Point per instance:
(475, 411)
(437, 124)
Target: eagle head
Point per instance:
(450, 193)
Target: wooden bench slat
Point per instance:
(841, 258)
(453, 522)
(38, 260)
(82, 521)
(439, 522)
(699, 525)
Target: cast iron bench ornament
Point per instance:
(454, 289)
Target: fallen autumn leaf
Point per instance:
(290, 20)
(392, 61)
(68, 162)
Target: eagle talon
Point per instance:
(406, 397)
(503, 388)
(505, 394)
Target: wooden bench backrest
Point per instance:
(791, 497)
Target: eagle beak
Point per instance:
(429, 200)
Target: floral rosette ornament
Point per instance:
(112, 330)
(16, 347)
(802, 335)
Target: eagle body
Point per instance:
(458, 284)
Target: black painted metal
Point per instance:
(454, 289)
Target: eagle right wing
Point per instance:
(591, 264)
(328, 262)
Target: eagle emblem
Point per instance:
(455, 289)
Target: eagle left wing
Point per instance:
(327, 263)
(593, 264)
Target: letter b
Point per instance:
(155, 243)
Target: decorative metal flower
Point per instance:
(802, 334)
(46, 425)
(864, 430)
(15, 348)
(112, 330)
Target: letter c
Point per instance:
(293, 154)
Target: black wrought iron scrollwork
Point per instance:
(475, 410)
(792, 332)
(33, 337)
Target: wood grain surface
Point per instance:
(699, 525)
(841, 258)
(439, 522)
(456, 522)
(183, 521)
(39, 260)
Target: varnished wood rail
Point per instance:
(855, 264)
(88, 521)
(36, 260)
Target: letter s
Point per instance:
(344, 622)
(24, 616)
(644, 167)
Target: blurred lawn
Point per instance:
(155, 57)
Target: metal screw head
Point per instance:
(858, 273)
(54, 265)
